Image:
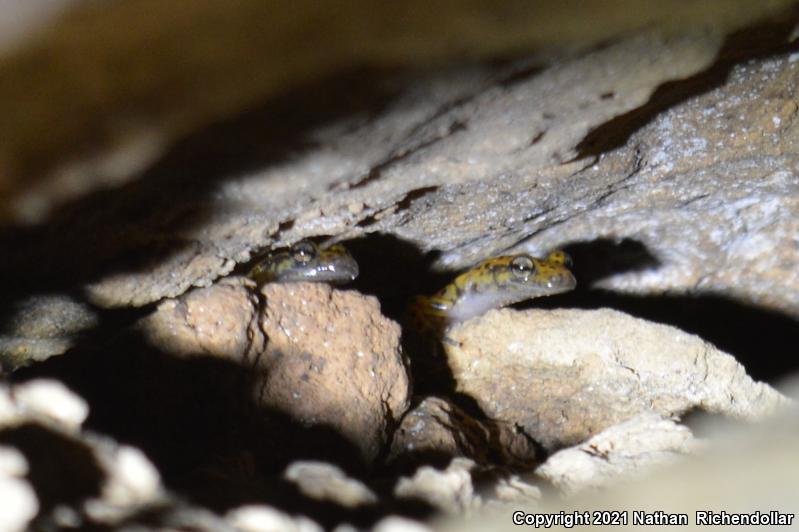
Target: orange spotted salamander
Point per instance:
(493, 283)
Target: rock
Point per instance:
(323, 357)
(709, 187)
(632, 447)
(395, 523)
(326, 482)
(450, 491)
(569, 153)
(513, 490)
(742, 468)
(173, 245)
(109, 123)
(565, 375)
(132, 482)
(438, 428)
(677, 144)
(19, 503)
(221, 321)
(259, 518)
(50, 399)
(92, 478)
(42, 326)
(45, 401)
(332, 358)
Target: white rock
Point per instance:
(450, 490)
(621, 451)
(324, 481)
(51, 399)
(255, 518)
(394, 523)
(12, 462)
(18, 502)
(133, 479)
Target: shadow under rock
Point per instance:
(393, 270)
(763, 340)
(61, 470)
(198, 419)
(760, 40)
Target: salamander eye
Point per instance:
(522, 266)
(560, 257)
(303, 251)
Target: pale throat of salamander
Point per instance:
(474, 303)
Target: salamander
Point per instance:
(493, 283)
(306, 261)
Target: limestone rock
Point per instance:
(566, 375)
(709, 188)
(632, 447)
(89, 477)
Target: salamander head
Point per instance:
(305, 261)
(504, 280)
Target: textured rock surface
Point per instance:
(665, 162)
(575, 152)
(710, 481)
(405, 171)
(565, 375)
(221, 321)
(264, 518)
(321, 356)
(19, 499)
(624, 450)
(333, 358)
(326, 482)
(436, 428)
(43, 326)
(426, 154)
(84, 108)
(710, 187)
(463, 488)
(40, 424)
(450, 490)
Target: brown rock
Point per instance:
(436, 427)
(332, 358)
(321, 356)
(221, 320)
(566, 375)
